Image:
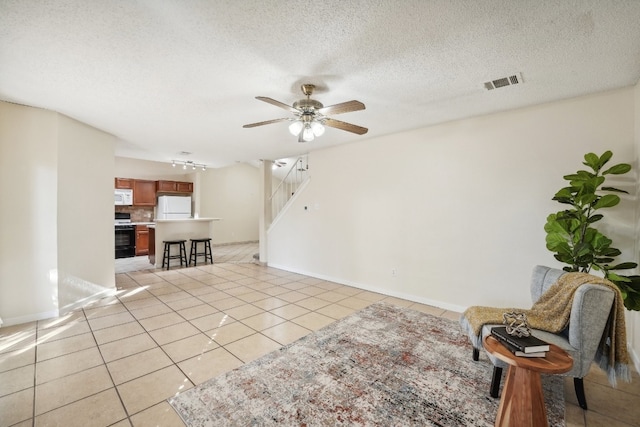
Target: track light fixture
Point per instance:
(188, 164)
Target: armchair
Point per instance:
(589, 314)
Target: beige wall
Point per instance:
(28, 216)
(231, 193)
(456, 210)
(56, 243)
(85, 212)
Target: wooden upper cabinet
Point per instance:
(166, 186)
(144, 193)
(184, 187)
(174, 187)
(124, 183)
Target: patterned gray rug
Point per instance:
(383, 365)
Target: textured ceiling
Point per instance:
(166, 76)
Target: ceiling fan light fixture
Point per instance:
(311, 116)
(296, 127)
(307, 134)
(317, 128)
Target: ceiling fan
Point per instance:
(310, 116)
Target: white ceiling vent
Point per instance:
(504, 81)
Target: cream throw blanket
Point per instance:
(551, 313)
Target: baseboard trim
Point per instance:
(366, 287)
(87, 300)
(10, 321)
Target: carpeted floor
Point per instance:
(383, 365)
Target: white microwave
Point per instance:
(124, 197)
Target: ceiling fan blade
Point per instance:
(268, 122)
(344, 107)
(277, 104)
(345, 126)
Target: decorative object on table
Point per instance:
(516, 324)
(383, 365)
(581, 313)
(572, 236)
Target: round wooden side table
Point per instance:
(522, 401)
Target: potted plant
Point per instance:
(571, 234)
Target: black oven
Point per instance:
(125, 236)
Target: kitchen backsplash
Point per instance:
(138, 213)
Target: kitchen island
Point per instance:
(177, 229)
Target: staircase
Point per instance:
(287, 188)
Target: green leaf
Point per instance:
(586, 199)
(617, 190)
(606, 156)
(632, 302)
(592, 160)
(595, 218)
(607, 201)
(610, 252)
(620, 169)
(624, 266)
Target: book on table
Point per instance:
(526, 345)
(519, 353)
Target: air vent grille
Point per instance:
(504, 81)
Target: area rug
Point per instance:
(381, 366)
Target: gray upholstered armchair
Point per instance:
(589, 314)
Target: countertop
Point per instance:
(186, 220)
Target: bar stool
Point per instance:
(193, 254)
(167, 257)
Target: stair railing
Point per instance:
(286, 189)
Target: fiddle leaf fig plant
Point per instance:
(572, 236)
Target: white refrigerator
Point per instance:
(173, 207)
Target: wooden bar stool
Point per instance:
(167, 257)
(193, 254)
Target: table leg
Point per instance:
(522, 402)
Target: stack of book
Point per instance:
(521, 346)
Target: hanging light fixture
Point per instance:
(296, 127)
(188, 163)
(317, 128)
(309, 125)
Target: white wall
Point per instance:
(85, 212)
(456, 210)
(28, 215)
(231, 193)
(57, 244)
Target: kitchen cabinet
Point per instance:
(142, 240)
(184, 187)
(144, 193)
(124, 183)
(174, 187)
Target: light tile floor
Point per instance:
(115, 362)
